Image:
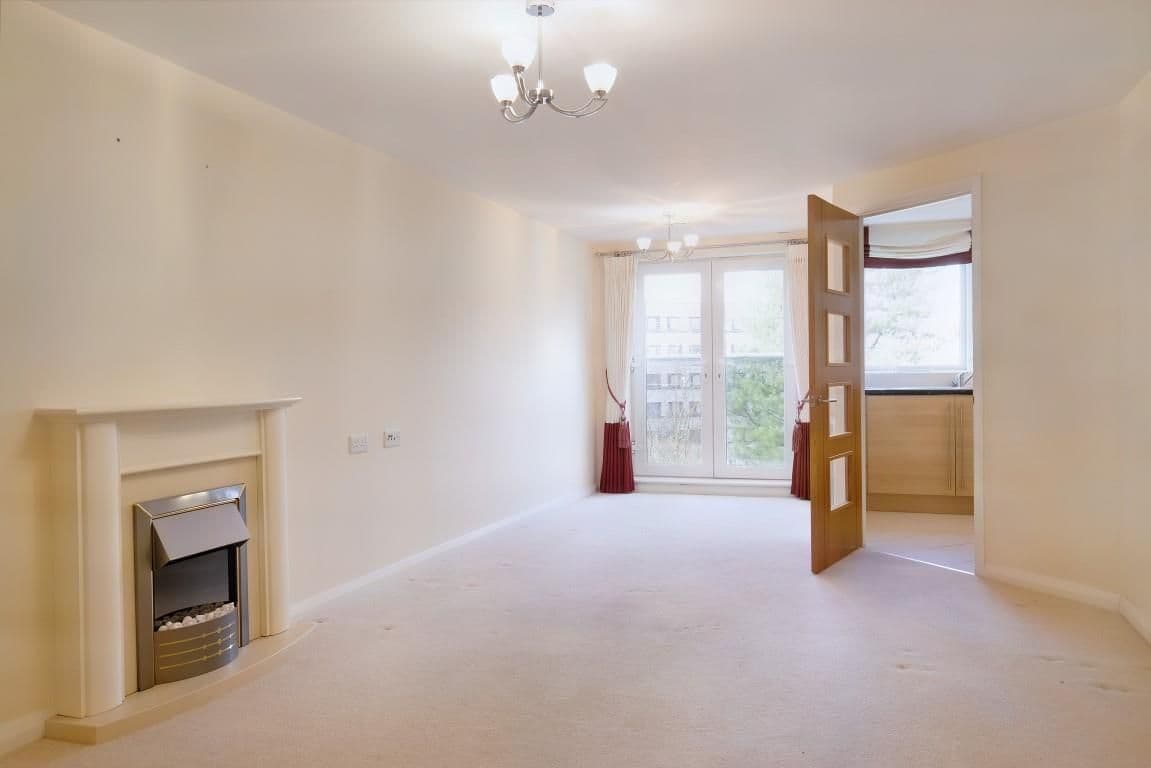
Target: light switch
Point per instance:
(358, 443)
(391, 438)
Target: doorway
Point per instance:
(711, 371)
(920, 374)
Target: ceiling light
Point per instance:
(505, 89)
(672, 249)
(600, 77)
(520, 54)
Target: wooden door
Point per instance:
(835, 323)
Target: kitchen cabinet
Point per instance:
(964, 446)
(919, 453)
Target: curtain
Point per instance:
(617, 475)
(797, 309)
(916, 245)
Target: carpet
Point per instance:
(673, 631)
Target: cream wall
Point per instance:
(1048, 356)
(163, 238)
(1135, 368)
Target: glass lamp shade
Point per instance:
(600, 77)
(518, 52)
(643, 243)
(504, 88)
(673, 246)
(691, 240)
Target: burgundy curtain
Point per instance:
(617, 475)
(800, 460)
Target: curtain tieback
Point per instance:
(799, 407)
(624, 433)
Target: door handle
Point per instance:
(817, 400)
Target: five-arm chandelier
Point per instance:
(672, 249)
(511, 91)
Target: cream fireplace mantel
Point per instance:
(94, 451)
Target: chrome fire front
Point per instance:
(191, 563)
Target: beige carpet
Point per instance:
(947, 540)
(674, 632)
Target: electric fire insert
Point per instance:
(191, 583)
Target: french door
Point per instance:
(710, 376)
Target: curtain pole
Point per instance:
(718, 246)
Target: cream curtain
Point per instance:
(929, 249)
(619, 301)
(797, 308)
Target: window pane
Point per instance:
(674, 416)
(836, 266)
(753, 367)
(916, 318)
(837, 476)
(837, 410)
(836, 339)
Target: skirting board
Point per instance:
(309, 604)
(22, 731)
(1051, 586)
(1139, 620)
(1135, 617)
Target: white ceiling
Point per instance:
(726, 111)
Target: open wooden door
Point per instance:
(835, 312)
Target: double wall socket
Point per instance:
(358, 443)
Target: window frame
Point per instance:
(711, 328)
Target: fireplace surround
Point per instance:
(191, 565)
(100, 454)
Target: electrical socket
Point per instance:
(391, 438)
(358, 443)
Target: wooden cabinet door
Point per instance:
(911, 444)
(964, 446)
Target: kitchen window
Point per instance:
(918, 320)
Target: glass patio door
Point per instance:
(672, 371)
(710, 373)
(755, 398)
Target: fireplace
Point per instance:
(191, 563)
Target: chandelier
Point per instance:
(511, 91)
(672, 249)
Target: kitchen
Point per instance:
(919, 358)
